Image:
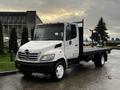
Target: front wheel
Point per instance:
(59, 71)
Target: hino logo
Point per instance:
(27, 53)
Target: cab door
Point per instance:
(71, 41)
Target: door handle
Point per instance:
(76, 45)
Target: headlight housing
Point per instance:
(47, 57)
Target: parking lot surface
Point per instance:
(81, 77)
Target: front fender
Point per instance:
(59, 54)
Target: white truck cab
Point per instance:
(52, 46)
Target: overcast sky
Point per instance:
(72, 10)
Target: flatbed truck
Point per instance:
(57, 46)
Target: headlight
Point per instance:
(47, 57)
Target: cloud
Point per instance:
(71, 10)
(61, 15)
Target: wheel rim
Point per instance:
(59, 71)
(102, 60)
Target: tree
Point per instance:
(100, 35)
(13, 45)
(112, 39)
(117, 39)
(24, 36)
(1, 39)
(32, 33)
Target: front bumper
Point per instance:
(45, 68)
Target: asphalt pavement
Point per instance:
(82, 77)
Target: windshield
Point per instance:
(49, 32)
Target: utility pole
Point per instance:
(92, 35)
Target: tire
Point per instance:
(59, 71)
(26, 74)
(99, 60)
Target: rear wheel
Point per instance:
(59, 71)
(99, 60)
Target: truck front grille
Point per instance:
(28, 57)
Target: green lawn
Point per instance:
(6, 64)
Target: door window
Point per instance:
(70, 32)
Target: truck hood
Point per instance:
(37, 46)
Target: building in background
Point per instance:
(18, 20)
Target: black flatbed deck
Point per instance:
(90, 50)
